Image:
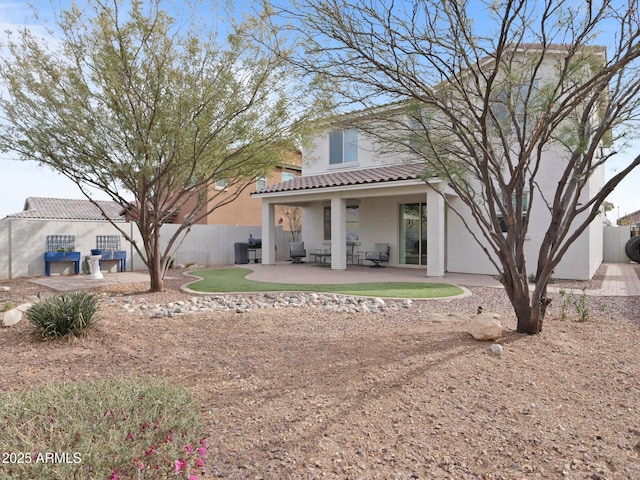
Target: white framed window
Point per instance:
(261, 183)
(221, 184)
(286, 176)
(343, 146)
(517, 99)
(353, 223)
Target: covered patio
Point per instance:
(377, 199)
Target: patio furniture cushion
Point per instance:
(297, 251)
(380, 253)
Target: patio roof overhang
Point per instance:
(371, 182)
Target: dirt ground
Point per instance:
(303, 394)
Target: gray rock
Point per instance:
(496, 349)
(243, 303)
(4, 289)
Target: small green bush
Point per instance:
(533, 279)
(134, 428)
(64, 314)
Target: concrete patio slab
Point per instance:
(316, 273)
(68, 283)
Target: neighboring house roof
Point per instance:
(630, 219)
(350, 177)
(67, 209)
(290, 166)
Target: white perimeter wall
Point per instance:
(23, 243)
(615, 239)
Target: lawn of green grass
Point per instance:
(233, 280)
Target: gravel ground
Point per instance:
(301, 393)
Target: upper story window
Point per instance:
(288, 176)
(221, 184)
(514, 104)
(343, 146)
(261, 183)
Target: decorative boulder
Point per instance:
(11, 317)
(23, 307)
(486, 326)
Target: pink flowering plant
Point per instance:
(121, 429)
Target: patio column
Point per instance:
(338, 233)
(268, 233)
(435, 232)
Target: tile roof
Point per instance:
(633, 217)
(67, 209)
(389, 173)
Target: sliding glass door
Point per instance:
(413, 234)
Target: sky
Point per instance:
(19, 180)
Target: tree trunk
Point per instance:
(157, 278)
(156, 264)
(531, 323)
(526, 306)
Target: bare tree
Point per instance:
(151, 110)
(294, 220)
(487, 106)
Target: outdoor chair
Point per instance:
(297, 251)
(380, 253)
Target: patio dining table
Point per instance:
(320, 256)
(323, 255)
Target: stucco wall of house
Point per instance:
(581, 260)
(315, 157)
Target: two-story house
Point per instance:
(245, 210)
(355, 194)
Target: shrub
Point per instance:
(132, 428)
(580, 304)
(64, 314)
(533, 279)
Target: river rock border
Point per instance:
(242, 303)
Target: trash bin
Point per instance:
(241, 252)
